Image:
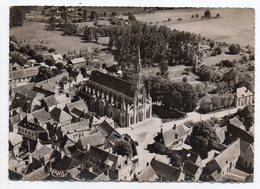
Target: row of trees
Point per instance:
(215, 102)
(173, 96)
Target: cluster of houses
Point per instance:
(53, 136)
(232, 161)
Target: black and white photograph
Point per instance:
(131, 94)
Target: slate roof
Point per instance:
(112, 82)
(243, 92)
(170, 136)
(246, 151)
(23, 73)
(15, 138)
(79, 105)
(76, 127)
(50, 101)
(95, 139)
(165, 171)
(190, 168)
(227, 155)
(60, 115)
(41, 115)
(43, 151)
(105, 129)
(237, 123)
(190, 156)
(147, 174)
(31, 126)
(77, 60)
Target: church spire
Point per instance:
(138, 67)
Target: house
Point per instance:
(191, 156)
(117, 168)
(76, 77)
(62, 100)
(57, 58)
(76, 109)
(222, 163)
(246, 158)
(236, 129)
(14, 66)
(191, 171)
(160, 171)
(49, 103)
(244, 97)
(76, 63)
(95, 139)
(32, 131)
(170, 139)
(61, 117)
(22, 76)
(41, 117)
(15, 143)
(75, 131)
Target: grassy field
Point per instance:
(235, 26)
(34, 32)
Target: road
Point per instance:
(144, 133)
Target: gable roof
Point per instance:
(78, 60)
(243, 92)
(41, 115)
(50, 101)
(165, 171)
(171, 135)
(60, 115)
(15, 138)
(76, 127)
(147, 174)
(56, 57)
(95, 139)
(190, 168)
(237, 123)
(42, 152)
(79, 105)
(227, 155)
(112, 82)
(65, 163)
(246, 151)
(24, 73)
(105, 129)
(31, 126)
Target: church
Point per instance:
(127, 103)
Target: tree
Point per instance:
(51, 50)
(203, 138)
(49, 62)
(85, 14)
(17, 14)
(207, 14)
(59, 66)
(163, 66)
(88, 33)
(97, 35)
(123, 148)
(23, 50)
(131, 17)
(180, 96)
(185, 79)
(39, 58)
(247, 115)
(234, 49)
(93, 15)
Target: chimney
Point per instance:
(30, 158)
(62, 154)
(161, 130)
(174, 126)
(176, 136)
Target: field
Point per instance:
(236, 25)
(34, 32)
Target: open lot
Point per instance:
(235, 26)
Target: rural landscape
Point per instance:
(148, 94)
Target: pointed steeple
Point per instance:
(138, 69)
